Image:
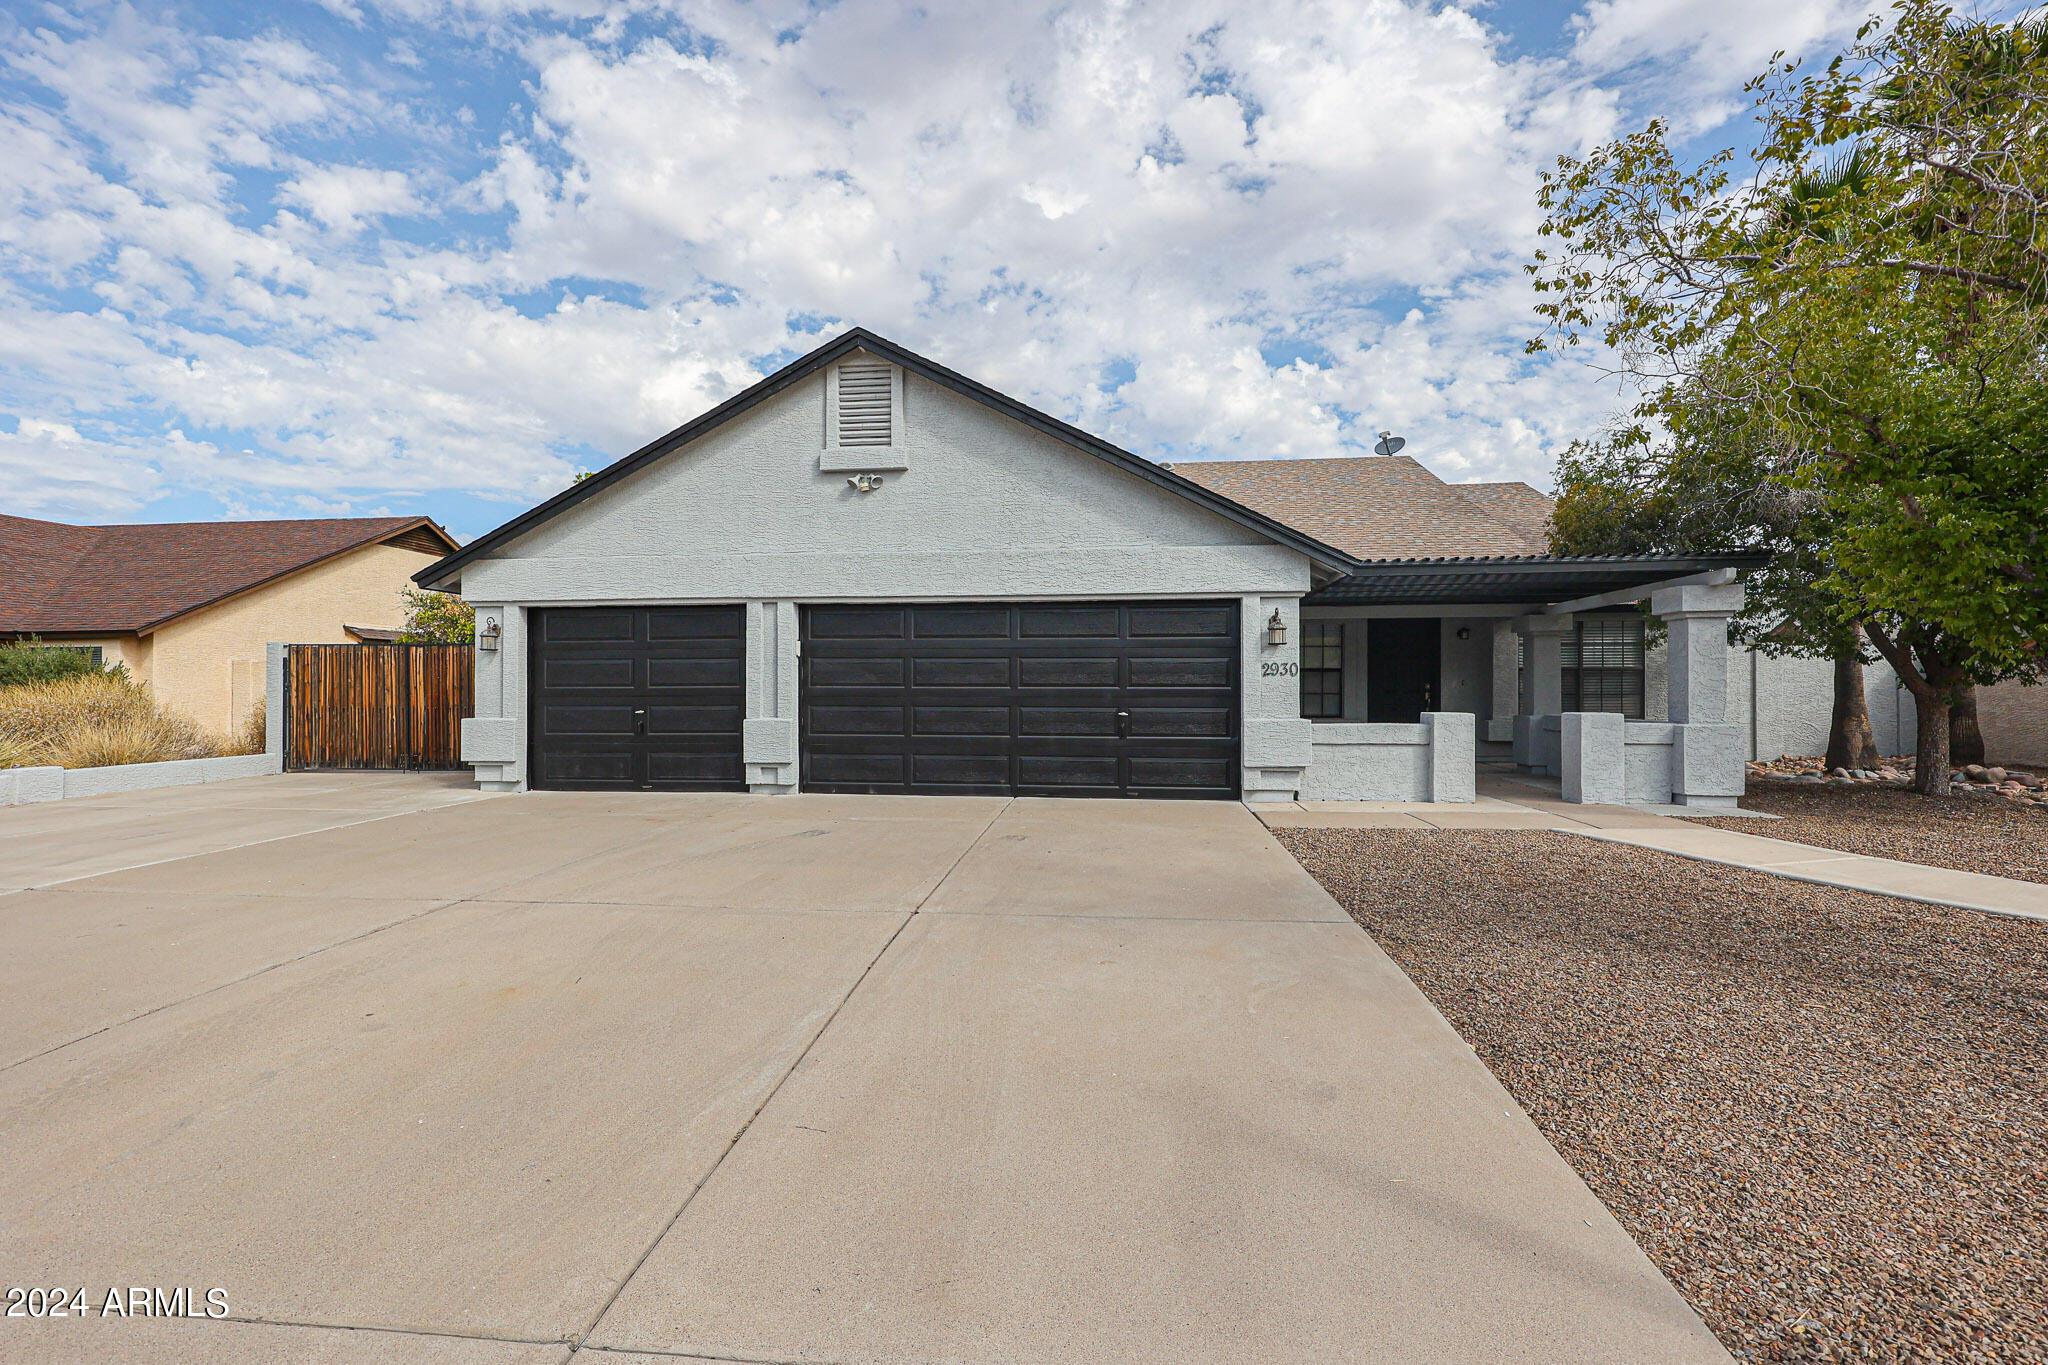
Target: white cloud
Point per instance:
(1288, 225)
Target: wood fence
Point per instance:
(377, 706)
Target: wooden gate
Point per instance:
(376, 706)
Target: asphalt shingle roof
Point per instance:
(56, 578)
(1384, 506)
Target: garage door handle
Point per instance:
(1123, 725)
(639, 722)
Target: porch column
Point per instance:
(1706, 759)
(1698, 615)
(1543, 669)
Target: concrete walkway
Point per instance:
(1511, 803)
(527, 1078)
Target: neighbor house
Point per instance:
(187, 607)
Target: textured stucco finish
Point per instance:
(1592, 757)
(988, 509)
(2014, 718)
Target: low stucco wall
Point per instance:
(2014, 718)
(1431, 761)
(28, 786)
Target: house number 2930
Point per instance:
(1278, 670)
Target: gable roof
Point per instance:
(1385, 506)
(125, 580)
(860, 339)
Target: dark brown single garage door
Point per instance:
(637, 698)
(1032, 699)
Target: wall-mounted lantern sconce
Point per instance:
(1464, 632)
(1276, 630)
(864, 483)
(487, 633)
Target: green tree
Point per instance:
(1886, 336)
(437, 618)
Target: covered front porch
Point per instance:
(1416, 674)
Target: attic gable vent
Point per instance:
(866, 404)
(863, 417)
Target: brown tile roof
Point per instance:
(58, 579)
(1384, 506)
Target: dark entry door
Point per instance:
(637, 698)
(1035, 699)
(1403, 668)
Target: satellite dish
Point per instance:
(1389, 444)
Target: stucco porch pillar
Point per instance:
(1698, 616)
(1706, 759)
(1543, 687)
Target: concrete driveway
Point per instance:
(413, 1074)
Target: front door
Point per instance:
(1403, 668)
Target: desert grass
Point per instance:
(98, 721)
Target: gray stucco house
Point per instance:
(869, 573)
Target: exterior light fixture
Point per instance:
(487, 635)
(1464, 632)
(1276, 629)
(864, 483)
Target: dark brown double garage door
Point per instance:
(1051, 699)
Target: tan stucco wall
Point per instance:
(197, 660)
(2014, 719)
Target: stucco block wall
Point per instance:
(196, 661)
(2014, 718)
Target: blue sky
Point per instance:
(369, 256)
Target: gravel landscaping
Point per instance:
(1972, 833)
(1820, 1112)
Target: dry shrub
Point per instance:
(93, 722)
(252, 738)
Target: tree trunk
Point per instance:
(1930, 755)
(1965, 740)
(1850, 742)
(1932, 680)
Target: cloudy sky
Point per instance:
(292, 259)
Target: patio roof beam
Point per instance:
(1712, 578)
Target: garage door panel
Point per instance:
(860, 672)
(1213, 621)
(586, 720)
(1209, 722)
(1181, 773)
(1068, 622)
(960, 720)
(674, 768)
(1067, 770)
(692, 623)
(692, 720)
(588, 624)
(828, 770)
(1038, 698)
(857, 720)
(589, 674)
(990, 771)
(1090, 721)
(931, 671)
(855, 623)
(587, 767)
(637, 698)
(935, 623)
(1069, 672)
(716, 674)
(1217, 673)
